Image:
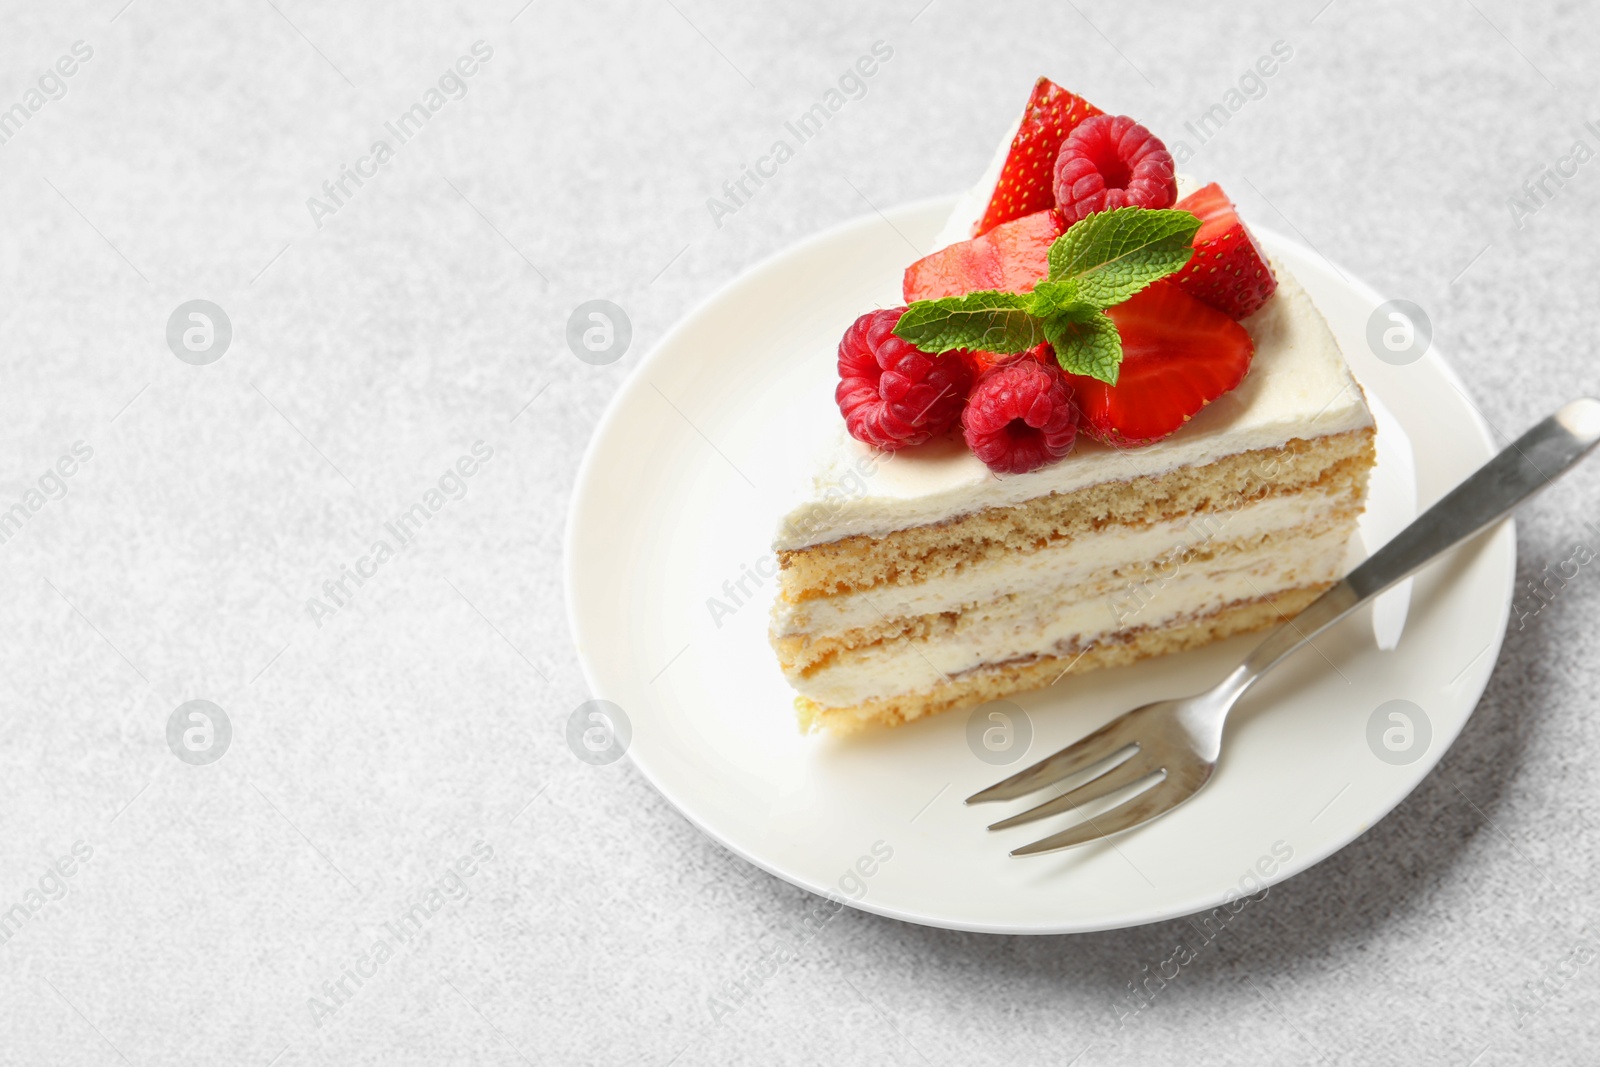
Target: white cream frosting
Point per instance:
(1298, 387)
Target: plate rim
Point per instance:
(584, 485)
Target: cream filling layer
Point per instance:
(1060, 566)
(1062, 620)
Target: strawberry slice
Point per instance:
(1229, 270)
(1012, 257)
(980, 361)
(1025, 181)
(1178, 355)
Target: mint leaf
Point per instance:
(1053, 298)
(1098, 263)
(988, 320)
(1086, 344)
(1111, 255)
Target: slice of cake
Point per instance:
(1106, 428)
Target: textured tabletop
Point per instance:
(328, 501)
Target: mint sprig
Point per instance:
(1098, 263)
(988, 319)
(1090, 341)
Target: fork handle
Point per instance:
(1526, 466)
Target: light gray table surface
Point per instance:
(376, 339)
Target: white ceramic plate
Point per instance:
(676, 503)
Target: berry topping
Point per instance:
(1020, 417)
(1178, 355)
(1110, 161)
(1229, 270)
(1012, 257)
(1024, 184)
(892, 394)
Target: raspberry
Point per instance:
(892, 394)
(1110, 161)
(1020, 416)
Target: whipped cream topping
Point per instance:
(1298, 387)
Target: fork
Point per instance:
(1171, 747)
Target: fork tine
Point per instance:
(1121, 776)
(1110, 740)
(1125, 816)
